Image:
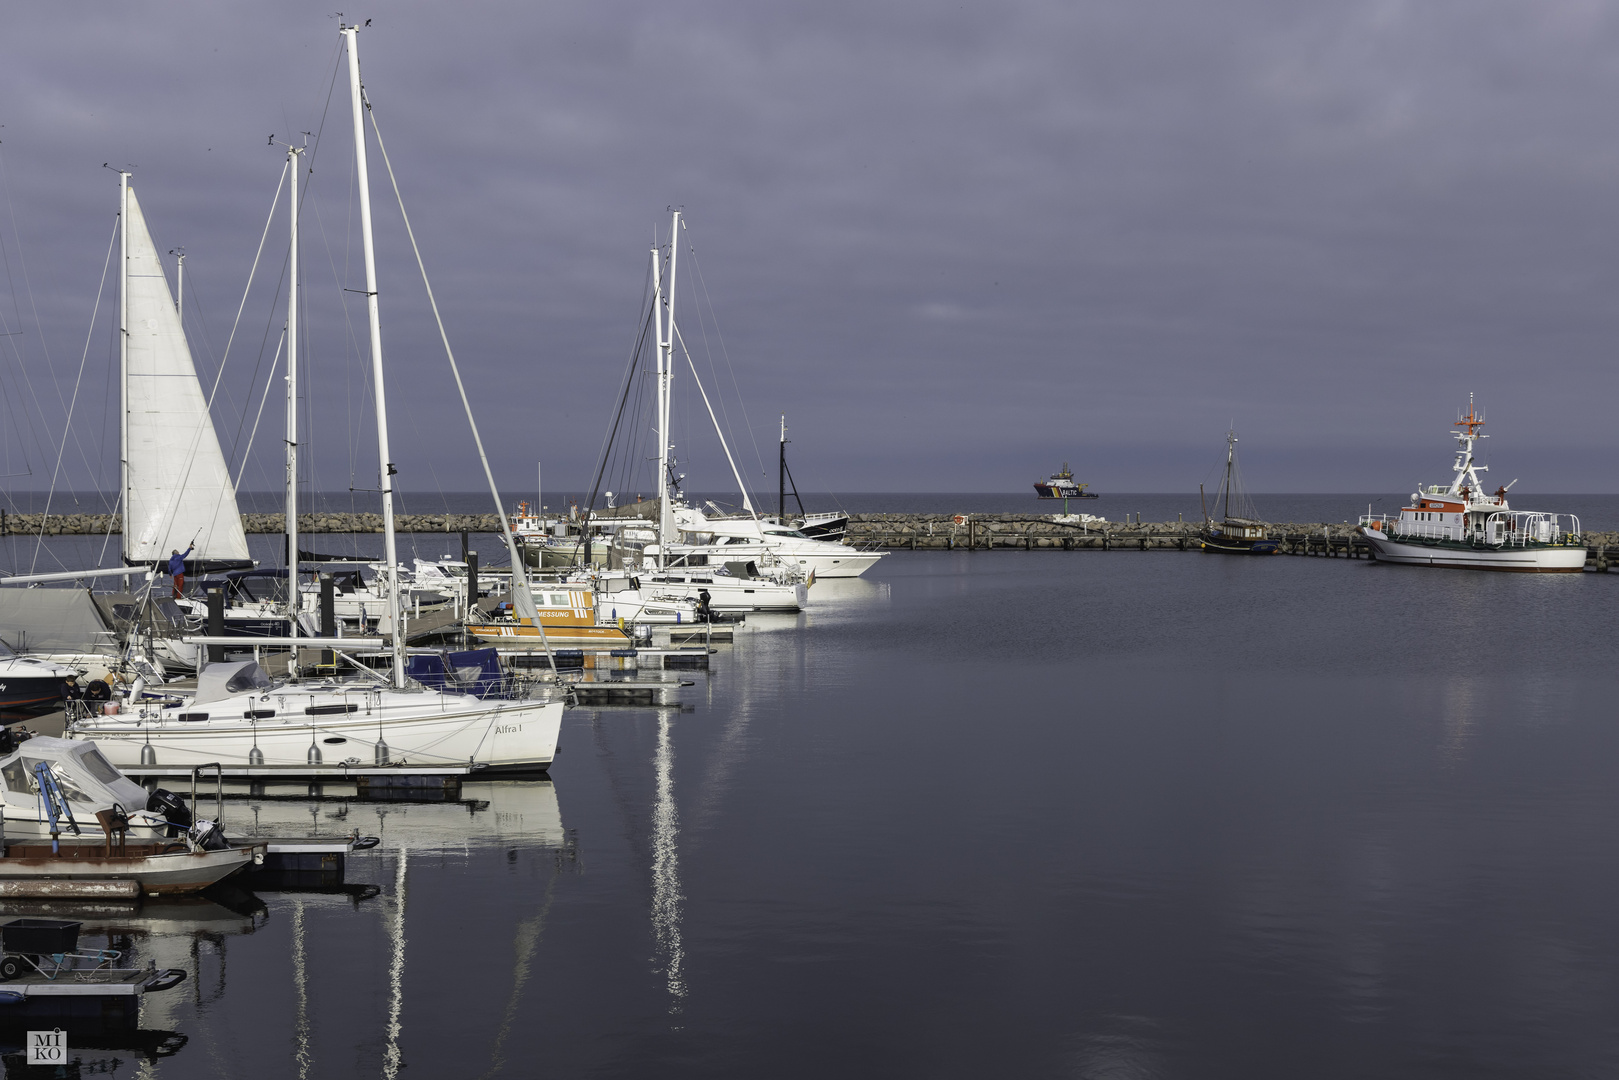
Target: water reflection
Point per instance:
(300, 987)
(391, 1060)
(1460, 708)
(666, 897)
(484, 812)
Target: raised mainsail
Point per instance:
(177, 491)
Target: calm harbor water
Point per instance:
(1015, 814)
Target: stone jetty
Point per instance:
(1031, 532)
(894, 532)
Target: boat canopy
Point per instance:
(217, 682)
(54, 620)
(86, 777)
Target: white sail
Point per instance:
(176, 488)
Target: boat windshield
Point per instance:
(786, 532)
(98, 766)
(251, 677)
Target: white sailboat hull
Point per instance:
(421, 729)
(1529, 559)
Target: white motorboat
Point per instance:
(731, 539)
(1458, 526)
(727, 592)
(86, 783)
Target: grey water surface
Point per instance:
(1100, 815)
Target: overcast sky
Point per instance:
(956, 244)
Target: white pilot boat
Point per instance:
(1459, 526)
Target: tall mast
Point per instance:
(292, 405)
(1230, 459)
(123, 350)
(385, 467)
(657, 331)
(666, 365)
(781, 478)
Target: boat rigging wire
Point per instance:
(630, 382)
(275, 201)
(747, 501)
(89, 336)
(22, 368)
(522, 599)
(269, 382)
(747, 425)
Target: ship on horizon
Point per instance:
(1061, 486)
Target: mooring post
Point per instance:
(472, 581)
(328, 606)
(463, 543)
(216, 623)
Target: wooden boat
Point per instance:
(1241, 533)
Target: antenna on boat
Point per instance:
(179, 254)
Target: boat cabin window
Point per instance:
(251, 677)
(785, 532)
(99, 767)
(17, 777)
(20, 776)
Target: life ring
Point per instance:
(959, 519)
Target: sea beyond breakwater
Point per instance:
(899, 531)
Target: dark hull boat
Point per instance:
(1239, 533)
(30, 688)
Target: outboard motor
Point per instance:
(208, 836)
(171, 808)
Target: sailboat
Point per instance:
(829, 525)
(242, 718)
(177, 491)
(1240, 533)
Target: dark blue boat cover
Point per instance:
(476, 672)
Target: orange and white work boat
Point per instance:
(1459, 526)
(568, 613)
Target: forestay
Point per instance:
(177, 490)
